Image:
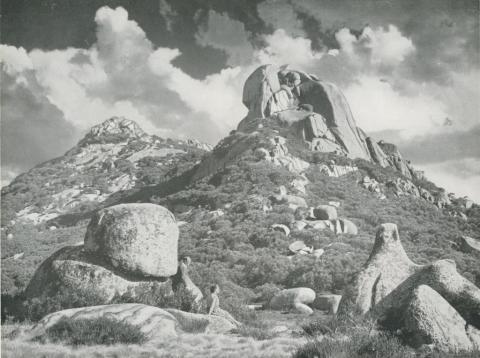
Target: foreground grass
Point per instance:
(187, 345)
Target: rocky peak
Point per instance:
(113, 130)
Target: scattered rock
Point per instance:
(325, 212)
(295, 299)
(281, 228)
(296, 246)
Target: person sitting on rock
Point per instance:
(182, 279)
(213, 304)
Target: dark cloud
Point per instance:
(32, 129)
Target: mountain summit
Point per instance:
(114, 129)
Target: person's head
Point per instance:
(186, 260)
(214, 289)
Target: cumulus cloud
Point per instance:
(381, 68)
(52, 97)
(461, 177)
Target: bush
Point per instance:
(102, 330)
(36, 308)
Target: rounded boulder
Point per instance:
(139, 239)
(325, 212)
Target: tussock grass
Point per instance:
(102, 330)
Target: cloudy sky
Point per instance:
(410, 70)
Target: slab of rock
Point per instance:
(327, 302)
(293, 299)
(135, 238)
(73, 269)
(201, 323)
(259, 88)
(377, 153)
(328, 101)
(325, 212)
(157, 324)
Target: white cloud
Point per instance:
(461, 177)
(281, 48)
(377, 106)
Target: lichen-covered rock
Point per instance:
(135, 238)
(429, 318)
(72, 269)
(295, 299)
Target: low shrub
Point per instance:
(102, 330)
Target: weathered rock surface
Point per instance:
(295, 299)
(135, 238)
(387, 266)
(429, 303)
(429, 318)
(156, 323)
(75, 270)
(327, 302)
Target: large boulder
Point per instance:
(387, 266)
(390, 287)
(325, 212)
(328, 101)
(259, 88)
(135, 238)
(294, 299)
(429, 318)
(72, 269)
(156, 323)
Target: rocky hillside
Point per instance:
(114, 156)
(292, 198)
